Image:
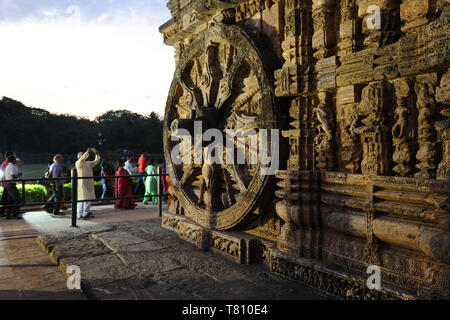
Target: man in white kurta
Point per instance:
(85, 189)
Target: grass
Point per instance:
(33, 171)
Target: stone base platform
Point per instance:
(242, 248)
(140, 260)
(236, 246)
(332, 280)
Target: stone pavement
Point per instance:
(26, 271)
(141, 260)
(125, 255)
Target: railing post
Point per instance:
(74, 197)
(23, 192)
(160, 191)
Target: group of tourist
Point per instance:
(11, 169)
(55, 177)
(123, 186)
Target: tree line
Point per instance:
(33, 130)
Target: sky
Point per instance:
(85, 57)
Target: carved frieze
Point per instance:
(332, 283)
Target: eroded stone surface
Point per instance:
(162, 267)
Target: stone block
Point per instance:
(238, 247)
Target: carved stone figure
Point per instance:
(426, 132)
(401, 129)
(349, 149)
(325, 137)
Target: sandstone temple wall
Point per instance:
(360, 90)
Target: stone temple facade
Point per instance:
(359, 90)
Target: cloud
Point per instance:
(14, 10)
(107, 55)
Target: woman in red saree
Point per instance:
(123, 189)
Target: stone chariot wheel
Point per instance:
(220, 81)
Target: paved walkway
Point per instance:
(125, 255)
(26, 271)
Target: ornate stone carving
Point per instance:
(248, 9)
(426, 106)
(170, 222)
(324, 140)
(402, 128)
(323, 40)
(331, 283)
(226, 246)
(349, 27)
(193, 234)
(370, 255)
(294, 77)
(347, 100)
(443, 127)
(240, 249)
(372, 129)
(221, 73)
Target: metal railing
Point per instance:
(74, 191)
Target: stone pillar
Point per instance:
(443, 127)
(350, 26)
(426, 106)
(295, 75)
(324, 39)
(373, 131)
(349, 154)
